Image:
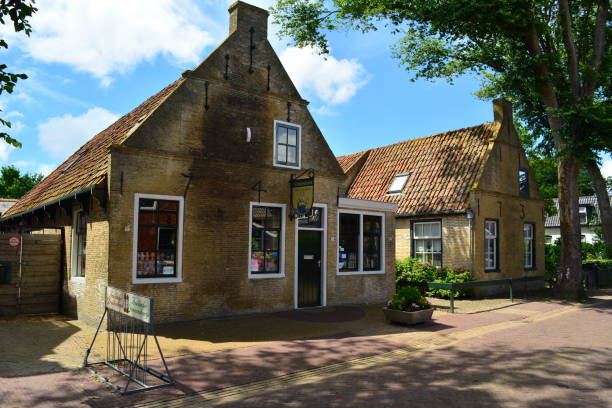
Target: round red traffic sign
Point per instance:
(13, 241)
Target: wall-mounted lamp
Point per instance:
(469, 214)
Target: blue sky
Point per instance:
(106, 57)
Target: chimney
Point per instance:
(502, 111)
(244, 16)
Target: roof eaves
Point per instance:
(52, 202)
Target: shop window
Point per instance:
(528, 238)
(491, 245)
(523, 177)
(267, 240)
(398, 183)
(360, 242)
(158, 238)
(79, 243)
(286, 144)
(427, 242)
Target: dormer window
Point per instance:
(398, 183)
(287, 145)
(523, 178)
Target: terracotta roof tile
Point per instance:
(89, 164)
(442, 169)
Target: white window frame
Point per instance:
(414, 239)
(398, 191)
(179, 240)
(323, 230)
(531, 246)
(495, 267)
(281, 260)
(383, 257)
(74, 249)
(299, 144)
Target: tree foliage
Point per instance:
(13, 184)
(17, 13)
(551, 58)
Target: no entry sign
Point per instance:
(13, 241)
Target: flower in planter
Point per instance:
(408, 299)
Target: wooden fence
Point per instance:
(34, 286)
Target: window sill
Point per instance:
(284, 166)
(360, 273)
(492, 270)
(530, 269)
(266, 275)
(141, 281)
(77, 278)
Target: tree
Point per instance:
(18, 12)
(13, 184)
(549, 52)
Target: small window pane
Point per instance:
(165, 205)
(314, 220)
(523, 183)
(291, 155)
(348, 250)
(292, 137)
(168, 218)
(281, 153)
(147, 238)
(281, 132)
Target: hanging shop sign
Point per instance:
(13, 241)
(302, 193)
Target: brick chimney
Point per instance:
(502, 111)
(244, 16)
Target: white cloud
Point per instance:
(606, 168)
(45, 169)
(63, 135)
(5, 150)
(108, 37)
(333, 81)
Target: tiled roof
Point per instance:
(442, 167)
(88, 165)
(553, 220)
(348, 161)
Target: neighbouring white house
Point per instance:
(589, 221)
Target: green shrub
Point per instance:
(412, 270)
(408, 299)
(551, 262)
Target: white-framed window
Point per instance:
(79, 243)
(528, 237)
(287, 144)
(491, 245)
(361, 243)
(398, 183)
(266, 240)
(158, 238)
(427, 241)
(582, 212)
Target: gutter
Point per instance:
(52, 202)
(431, 214)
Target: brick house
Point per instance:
(466, 198)
(187, 198)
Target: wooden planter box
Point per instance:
(408, 318)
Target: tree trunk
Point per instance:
(603, 201)
(569, 284)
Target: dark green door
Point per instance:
(309, 268)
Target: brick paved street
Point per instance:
(536, 354)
